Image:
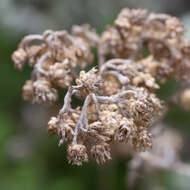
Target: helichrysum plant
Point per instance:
(119, 104)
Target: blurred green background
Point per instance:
(29, 158)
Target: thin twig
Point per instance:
(122, 79)
(83, 121)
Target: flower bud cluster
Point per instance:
(122, 73)
(136, 32)
(119, 104)
(54, 56)
(39, 91)
(123, 117)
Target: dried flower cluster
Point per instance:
(119, 100)
(53, 56)
(160, 35)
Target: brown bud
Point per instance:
(101, 152)
(43, 92)
(19, 57)
(76, 154)
(52, 126)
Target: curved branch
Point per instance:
(27, 39)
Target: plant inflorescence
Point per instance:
(119, 100)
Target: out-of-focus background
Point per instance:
(29, 159)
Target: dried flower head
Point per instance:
(136, 32)
(90, 81)
(43, 92)
(52, 126)
(101, 152)
(55, 56)
(19, 57)
(61, 74)
(76, 154)
(118, 98)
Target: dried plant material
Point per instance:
(77, 154)
(104, 120)
(54, 56)
(161, 36)
(60, 74)
(90, 81)
(118, 99)
(19, 57)
(39, 91)
(52, 126)
(101, 152)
